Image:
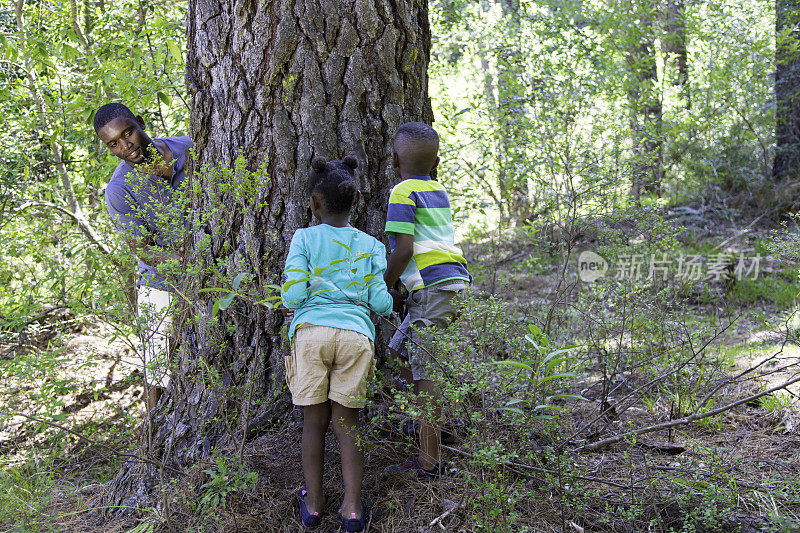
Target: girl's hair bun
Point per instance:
(350, 161)
(319, 163)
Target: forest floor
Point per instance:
(737, 471)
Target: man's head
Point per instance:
(123, 133)
(416, 149)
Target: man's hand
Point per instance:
(287, 313)
(397, 300)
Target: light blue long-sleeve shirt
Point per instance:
(334, 277)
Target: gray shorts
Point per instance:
(428, 307)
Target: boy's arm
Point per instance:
(294, 291)
(399, 258)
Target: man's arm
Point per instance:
(152, 254)
(399, 258)
(133, 231)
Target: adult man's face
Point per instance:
(126, 139)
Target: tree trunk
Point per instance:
(645, 102)
(278, 82)
(674, 46)
(787, 89)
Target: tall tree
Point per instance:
(787, 90)
(675, 47)
(644, 99)
(274, 83)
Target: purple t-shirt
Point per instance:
(144, 205)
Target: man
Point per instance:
(143, 200)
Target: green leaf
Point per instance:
(512, 409)
(175, 51)
(351, 284)
(321, 291)
(226, 301)
(515, 364)
(238, 280)
(364, 255)
(164, 98)
(343, 245)
(568, 397)
(292, 282)
(319, 270)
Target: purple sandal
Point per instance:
(309, 520)
(353, 524)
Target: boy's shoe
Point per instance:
(309, 520)
(413, 467)
(353, 524)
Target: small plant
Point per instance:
(539, 375)
(777, 400)
(224, 482)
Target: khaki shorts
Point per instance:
(329, 364)
(428, 307)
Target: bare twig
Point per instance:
(594, 446)
(92, 441)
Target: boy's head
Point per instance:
(334, 183)
(416, 149)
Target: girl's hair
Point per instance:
(335, 182)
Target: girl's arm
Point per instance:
(379, 298)
(295, 290)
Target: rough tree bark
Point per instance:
(279, 82)
(787, 91)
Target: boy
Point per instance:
(420, 228)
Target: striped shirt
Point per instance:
(419, 206)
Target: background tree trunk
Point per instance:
(787, 90)
(278, 82)
(644, 97)
(674, 45)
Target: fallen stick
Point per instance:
(594, 446)
(444, 515)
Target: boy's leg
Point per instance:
(429, 399)
(153, 395)
(316, 419)
(346, 428)
(430, 308)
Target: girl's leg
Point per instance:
(346, 428)
(315, 424)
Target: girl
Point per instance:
(334, 278)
